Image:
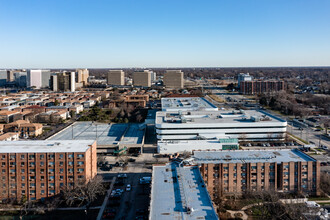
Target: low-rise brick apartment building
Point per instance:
(38, 169)
(236, 171)
(261, 86)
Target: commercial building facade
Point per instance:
(173, 79)
(39, 169)
(142, 78)
(249, 125)
(116, 78)
(235, 172)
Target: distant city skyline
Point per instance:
(159, 34)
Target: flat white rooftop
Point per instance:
(248, 118)
(179, 193)
(187, 104)
(176, 146)
(251, 156)
(45, 146)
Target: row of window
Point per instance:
(42, 156)
(61, 163)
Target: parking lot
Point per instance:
(126, 203)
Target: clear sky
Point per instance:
(164, 33)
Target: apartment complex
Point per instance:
(261, 86)
(116, 78)
(130, 100)
(82, 76)
(179, 193)
(142, 78)
(243, 77)
(38, 78)
(173, 79)
(38, 169)
(64, 81)
(236, 171)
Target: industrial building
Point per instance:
(173, 79)
(116, 78)
(236, 171)
(39, 169)
(249, 125)
(142, 78)
(179, 193)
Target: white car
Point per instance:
(128, 187)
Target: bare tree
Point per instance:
(83, 192)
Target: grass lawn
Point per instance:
(318, 198)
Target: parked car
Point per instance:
(128, 187)
(122, 175)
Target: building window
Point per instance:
(253, 167)
(42, 191)
(286, 166)
(31, 164)
(3, 157)
(23, 185)
(51, 170)
(42, 185)
(23, 178)
(70, 170)
(22, 164)
(32, 184)
(80, 162)
(31, 157)
(70, 156)
(51, 156)
(32, 170)
(51, 163)
(51, 177)
(12, 170)
(42, 163)
(61, 156)
(225, 175)
(51, 184)
(12, 164)
(12, 157)
(32, 192)
(61, 163)
(42, 157)
(3, 171)
(22, 157)
(3, 164)
(70, 163)
(42, 177)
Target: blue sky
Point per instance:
(164, 33)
